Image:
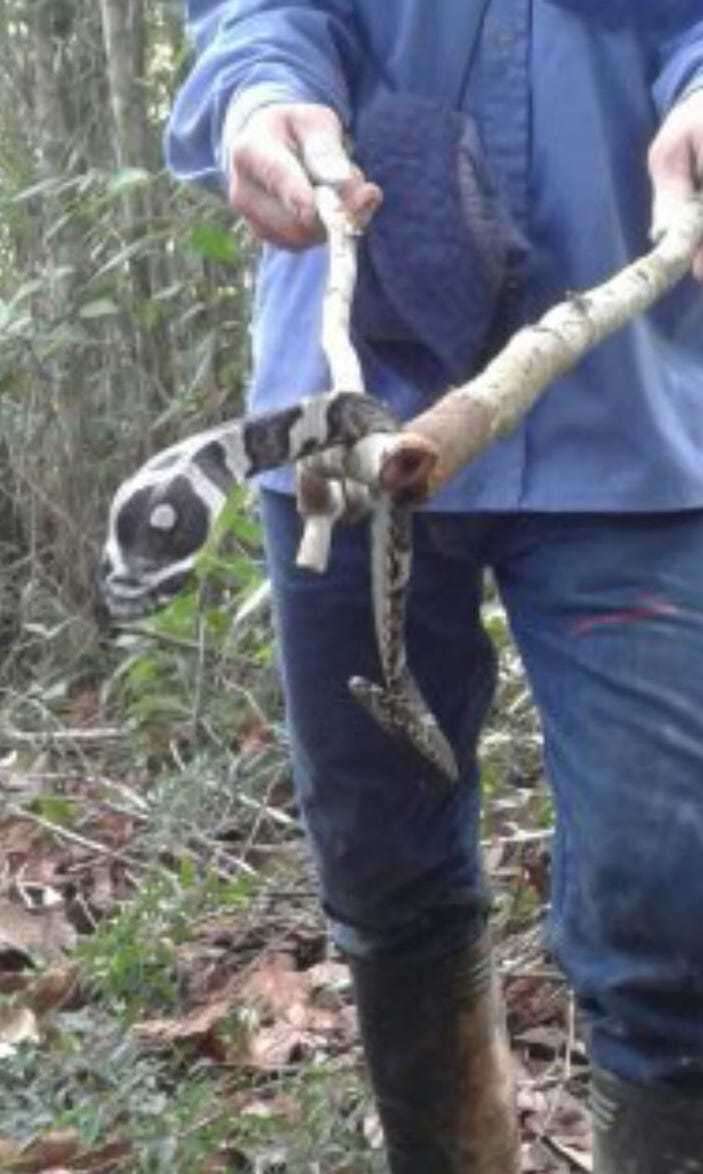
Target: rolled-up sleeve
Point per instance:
(251, 53)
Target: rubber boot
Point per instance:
(440, 1066)
(638, 1130)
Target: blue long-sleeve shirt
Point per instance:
(567, 98)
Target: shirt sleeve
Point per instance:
(252, 53)
(679, 56)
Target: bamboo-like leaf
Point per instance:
(99, 308)
(214, 243)
(126, 179)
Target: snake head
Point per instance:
(159, 521)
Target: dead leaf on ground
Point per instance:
(277, 1047)
(111, 828)
(18, 1025)
(53, 990)
(31, 933)
(50, 1150)
(8, 1150)
(195, 1024)
(103, 1158)
(61, 1151)
(21, 840)
(561, 1122)
(13, 981)
(284, 1023)
(291, 1025)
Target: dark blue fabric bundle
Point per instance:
(437, 256)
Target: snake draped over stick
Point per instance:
(353, 458)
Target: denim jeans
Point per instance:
(607, 611)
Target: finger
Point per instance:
(328, 163)
(269, 219)
(698, 266)
(271, 166)
(361, 199)
(673, 171)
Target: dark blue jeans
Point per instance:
(608, 615)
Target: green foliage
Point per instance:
(94, 1078)
(56, 809)
(131, 958)
(214, 243)
(123, 297)
(187, 649)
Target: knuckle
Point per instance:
(239, 196)
(242, 156)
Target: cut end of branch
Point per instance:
(407, 468)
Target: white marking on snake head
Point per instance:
(163, 517)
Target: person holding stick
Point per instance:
(501, 152)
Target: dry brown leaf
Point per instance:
(275, 985)
(197, 1023)
(292, 1026)
(43, 932)
(102, 893)
(103, 1158)
(18, 1025)
(53, 1149)
(288, 1023)
(12, 982)
(55, 988)
(20, 838)
(329, 976)
(113, 829)
(9, 1149)
(277, 1047)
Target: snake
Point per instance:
(161, 517)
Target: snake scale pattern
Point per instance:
(162, 516)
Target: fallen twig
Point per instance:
(73, 837)
(576, 1159)
(21, 738)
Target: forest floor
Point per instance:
(169, 999)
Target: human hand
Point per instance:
(277, 157)
(676, 165)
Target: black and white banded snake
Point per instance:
(161, 517)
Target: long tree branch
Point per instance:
(464, 422)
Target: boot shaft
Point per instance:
(438, 1055)
(638, 1130)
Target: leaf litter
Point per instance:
(260, 1008)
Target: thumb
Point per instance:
(675, 163)
(673, 184)
(320, 140)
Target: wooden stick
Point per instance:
(342, 237)
(467, 420)
(321, 499)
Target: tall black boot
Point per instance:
(440, 1066)
(638, 1130)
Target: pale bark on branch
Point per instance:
(464, 422)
